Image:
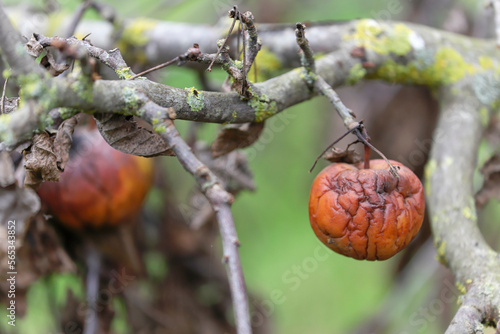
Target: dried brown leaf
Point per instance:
(50, 60)
(63, 141)
(233, 137)
(491, 185)
(41, 161)
(338, 155)
(51, 64)
(127, 136)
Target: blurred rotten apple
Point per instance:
(99, 196)
(100, 186)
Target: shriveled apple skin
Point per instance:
(366, 214)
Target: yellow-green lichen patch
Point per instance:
(83, 88)
(82, 84)
(440, 248)
(382, 38)
(468, 213)
(159, 128)
(135, 36)
(430, 168)
(238, 64)
(451, 65)
(399, 41)
(446, 67)
(308, 77)
(34, 87)
(356, 73)
(137, 30)
(268, 66)
(67, 112)
(124, 73)
(461, 288)
(132, 101)
(195, 99)
(486, 63)
(263, 107)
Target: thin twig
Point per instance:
(112, 59)
(243, 37)
(77, 16)
(303, 43)
(157, 67)
(105, 11)
(235, 10)
(345, 113)
(240, 32)
(251, 40)
(220, 200)
(93, 259)
(329, 147)
(251, 46)
(190, 55)
(2, 106)
(320, 84)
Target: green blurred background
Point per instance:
(303, 287)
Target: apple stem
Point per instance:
(368, 151)
(364, 138)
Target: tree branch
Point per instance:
(457, 237)
(220, 201)
(395, 52)
(113, 59)
(12, 48)
(252, 43)
(459, 69)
